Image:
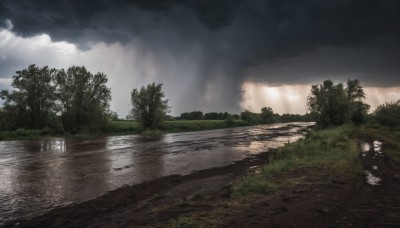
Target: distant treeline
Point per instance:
(198, 115)
(77, 101)
(266, 116)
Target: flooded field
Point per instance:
(37, 176)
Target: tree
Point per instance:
(83, 99)
(329, 103)
(33, 98)
(355, 94)
(248, 116)
(354, 90)
(267, 115)
(148, 105)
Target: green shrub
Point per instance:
(388, 114)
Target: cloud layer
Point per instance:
(204, 51)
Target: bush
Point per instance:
(388, 114)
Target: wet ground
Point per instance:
(327, 200)
(37, 176)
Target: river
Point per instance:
(40, 175)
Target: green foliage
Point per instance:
(75, 100)
(216, 115)
(330, 103)
(253, 184)
(354, 90)
(33, 99)
(149, 106)
(195, 115)
(277, 167)
(83, 99)
(197, 125)
(113, 116)
(267, 115)
(334, 105)
(360, 112)
(388, 114)
(249, 117)
(230, 121)
(331, 149)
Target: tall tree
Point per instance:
(33, 97)
(329, 103)
(148, 105)
(267, 115)
(355, 94)
(83, 98)
(354, 90)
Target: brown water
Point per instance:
(37, 176)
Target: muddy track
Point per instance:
(377, 202)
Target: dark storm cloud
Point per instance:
(234, 35)
(272, 27)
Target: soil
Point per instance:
(314, 198)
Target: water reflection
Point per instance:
(36, 176)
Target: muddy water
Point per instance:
(36, 176)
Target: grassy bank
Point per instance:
(320, 153)
(127, 127)
(133, 127)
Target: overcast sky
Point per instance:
(215, 55)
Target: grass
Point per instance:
(134, 127)
(198, 125)
(25, 134)
(127, 127)
(332, 151)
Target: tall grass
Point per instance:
(333, 150)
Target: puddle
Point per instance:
(378, 147)
(371, 179)
(365, 147)
(374, 167)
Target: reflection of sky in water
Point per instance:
(378, 147)
(371, 179)
(39, 175)
(365, 147)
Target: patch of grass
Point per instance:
(127, 127)
(277, 167)
(25, 134)
(253, 184)
(198, 125)
(118, 127)
(333, 150)
(134, 127)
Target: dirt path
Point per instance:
(327, 201)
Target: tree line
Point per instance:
(73, 99)
(198, 115)
(76, 100)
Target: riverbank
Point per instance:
(126, 127)
(326, 184)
